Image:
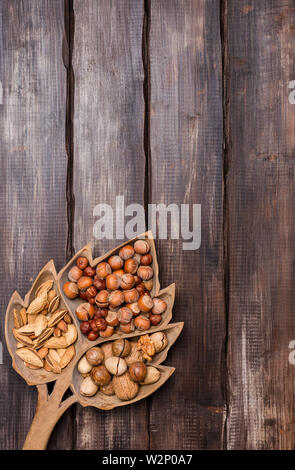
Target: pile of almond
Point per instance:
(45, 335)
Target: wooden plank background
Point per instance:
(179, 101)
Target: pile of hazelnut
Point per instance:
(116, 292)
(119, 367)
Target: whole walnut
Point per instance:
(124, 387)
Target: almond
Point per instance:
(56, 317)
(40, 325)
(67, 356)
(43, 352)
(17, 319)
(54, 304)
(44, 287)
(30, 356)
(71, 335)
(23, 314)
(38, 304)
(62, 326)
(56, 343)
(22, 338)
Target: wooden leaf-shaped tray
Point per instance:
(50, 408)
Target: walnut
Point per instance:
(146, 345)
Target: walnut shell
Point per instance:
(134, 355)
(124, 387)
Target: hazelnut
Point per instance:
(142, 247)
(83, 295)
(145, 272)
(116, 298)
(116, 365)
(159, 306)
(137, 280)
(129, 328)
(91, 300)
(84, 367)
(102, 299)
(146, 260)
(137, 371)
(71, 290)
(131, 296)
(124, 387)
(103, 270)
(126, 252)
(75, 273)
(125, 315)
(91, 292)
(100, 375)
(140, 288)
(127, 281)
(89, 271)
(107, 389)
(100, 312)
(113, 281)
(145, 303)
(101, 324)
(82, 262)
(92, 335)
(115, 262)
(88, 388)
(85, 311)
(121, 347)
(120, 272)
(93, 326)
(152, 376)
(134, 308)
(155, 319)
(95, 356)
(107, 332)
(148, 284)
(99, 284)
(137, 257)
(142, 323)
(112, 319)
(160, 340)
(130, 266)
(84, 282)
(85, 327)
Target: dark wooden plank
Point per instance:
(108, 161)
(186, 138)
(33, 169)
(260, 196)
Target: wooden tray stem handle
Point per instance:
(49, 410)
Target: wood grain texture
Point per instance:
(109, 161)
(186, 136)
(260, 196)
(33, 169)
